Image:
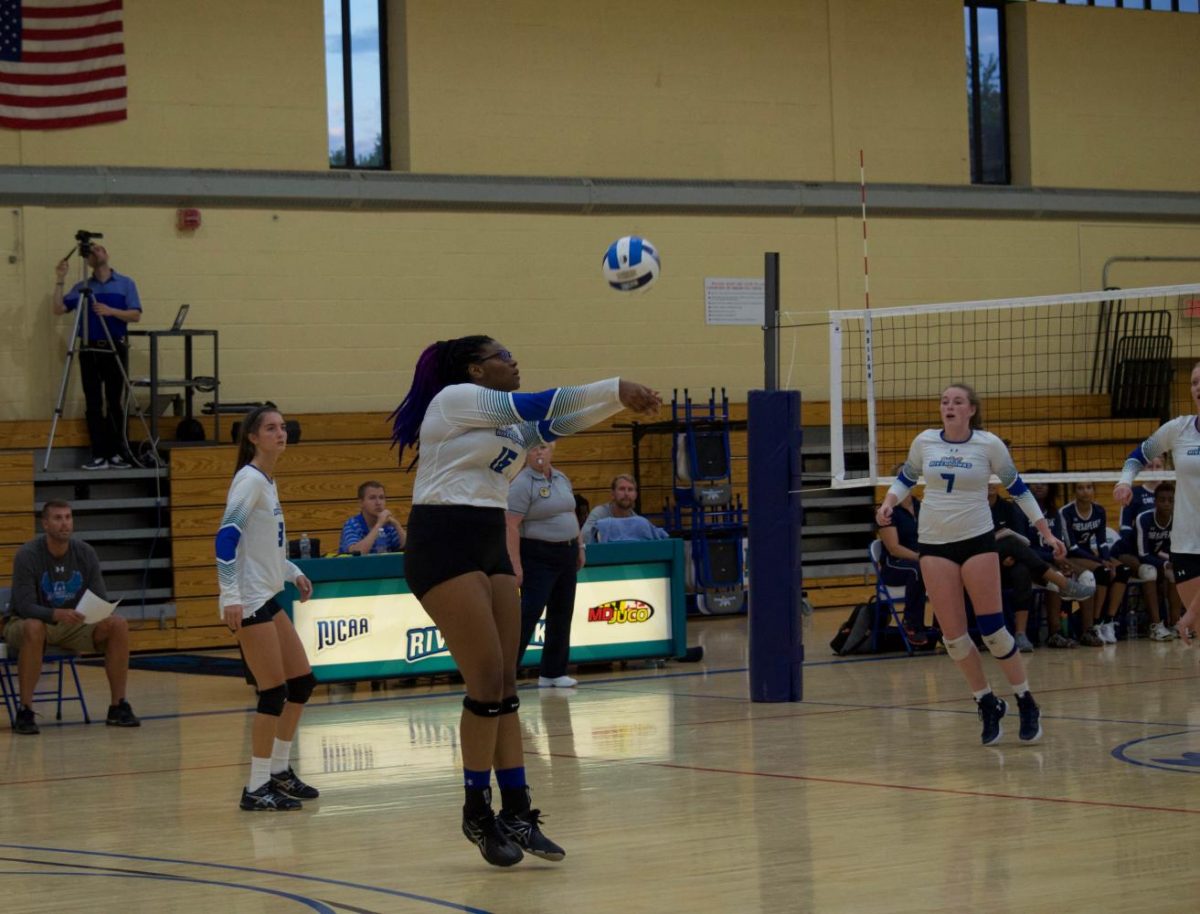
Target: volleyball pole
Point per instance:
(776, 575)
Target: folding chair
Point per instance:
(887, 597)
(54, 665)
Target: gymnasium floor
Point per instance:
(670, 791)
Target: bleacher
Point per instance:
(319, 477)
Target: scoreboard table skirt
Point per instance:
(362, 621)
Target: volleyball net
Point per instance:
(1071, 382)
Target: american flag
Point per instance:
(62, 63)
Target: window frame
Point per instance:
(348, 94)
(976, 99)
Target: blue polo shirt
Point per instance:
(119, 292)
(356, 529)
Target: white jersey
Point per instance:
(1181, 438)
(473, 439)
(956, 474)
(251, 544)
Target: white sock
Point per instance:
(260, 773)
(280, 756)
(1021, 689)
(986, 690)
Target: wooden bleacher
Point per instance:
(319, 476)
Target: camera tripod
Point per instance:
(79, 340)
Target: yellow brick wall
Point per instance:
(326, 312)
(772, 89)
(218, 84)
(1104, 97)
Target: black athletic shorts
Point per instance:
(1186, 566)
(264, 613)
(962, 550)
(445, 541)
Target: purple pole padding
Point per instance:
(776, 581)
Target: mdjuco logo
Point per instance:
(618, 612)
(336, 632)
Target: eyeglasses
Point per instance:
(503, 354)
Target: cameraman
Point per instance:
(115, 304)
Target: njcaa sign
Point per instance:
(393, 627)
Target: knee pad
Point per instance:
(1103, 578)
(481, 708)
(510, 704)
(999, 641)
(300, 688)
(1122, 574)
(271, 701)
(959, 648)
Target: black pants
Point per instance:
(104, 394)
(1018, 578)
(549, 571)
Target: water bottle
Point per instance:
(1131, 625)
(305, 546)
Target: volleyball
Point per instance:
(631, 263)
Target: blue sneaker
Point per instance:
(991, 710)
(1031, 718)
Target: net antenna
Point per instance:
(872, 469)
(1033, 362)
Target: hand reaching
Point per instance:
(639, 397)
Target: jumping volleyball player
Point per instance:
(958, 548)
(471, 432)
(252, 566)
(1181, 437)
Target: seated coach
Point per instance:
(50, 575)
(373, 529)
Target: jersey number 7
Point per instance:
(949, 477)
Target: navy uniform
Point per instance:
(1084, 536)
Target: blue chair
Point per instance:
(55, 663)
(889, 598)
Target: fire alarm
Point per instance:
(187, 220)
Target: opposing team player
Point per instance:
(471, 431)
(958, 548)
(252, 566)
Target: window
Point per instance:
(1165, 6)
(356, 83)
(987, 100)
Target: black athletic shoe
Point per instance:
(121, 715)
(288, 784)
(1031, 718)
(25, 724)
(267, 798)
(991, 710)
(482, 831)
(522, 829)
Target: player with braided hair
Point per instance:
(471, 431)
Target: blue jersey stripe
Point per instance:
(534, 406)
(228, 538)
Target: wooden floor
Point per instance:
(670, 791)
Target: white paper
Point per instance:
(734, 301)
(93, 608)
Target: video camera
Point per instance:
(84, 238)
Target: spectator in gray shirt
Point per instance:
(624, 497)
(50, 574)
(543, 544)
